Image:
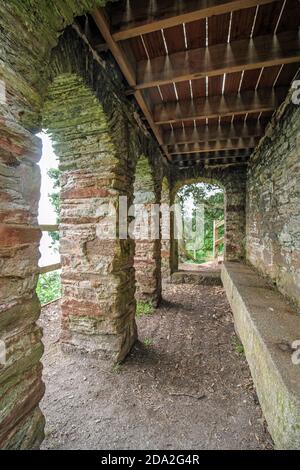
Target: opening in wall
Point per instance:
(49, 284)
(202, 208)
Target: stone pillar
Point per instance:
(166, 230)
(98, 305)
(173, 239)
(21, 386)
(235, 222)
(147, 260)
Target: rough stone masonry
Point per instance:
(273, 201)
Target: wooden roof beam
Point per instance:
(214, 131)
(246, 54)
(212, 146)
(134, 18)
(224, 105)
(213, 155)
(126, 67)
(213, 164)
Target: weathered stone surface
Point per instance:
(29, 30)
(273, 201)
(29, 433)
(267, 327)
(21, 387)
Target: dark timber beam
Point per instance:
(134, 18)
(212, 161)
(246, 54)
(213, 155)
(128, 70)
(225, 105)
(214, 164)
(212, 146)
(203, 133)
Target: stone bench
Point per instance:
(267, 326)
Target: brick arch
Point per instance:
(233, 182)
(147, 261)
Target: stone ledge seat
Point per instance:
(267, 326)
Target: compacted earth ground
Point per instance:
(185, 385)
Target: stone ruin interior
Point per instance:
(142, 98)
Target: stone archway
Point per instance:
(201, 204)
(233, 183)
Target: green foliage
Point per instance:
(238, 347)
(200, 256)
(144, 308)
(148, 342)
(212, 198)
(54, 198)
(117, 368)
(49, 287)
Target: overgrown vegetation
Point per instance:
(54, 198)
(212, 199)
(148, 342)
(238, 347)
(117, 368)
(49, 287)
(144, 308)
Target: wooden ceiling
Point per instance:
(207, 74)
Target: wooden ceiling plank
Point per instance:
(204, 133)
(213, 146)
(213, 155)
(137, 18)
(245, 54)
(214, 106)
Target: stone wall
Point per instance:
(29, 30)
(273, 201)
(233, 181)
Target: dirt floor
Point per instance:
(186, 384)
